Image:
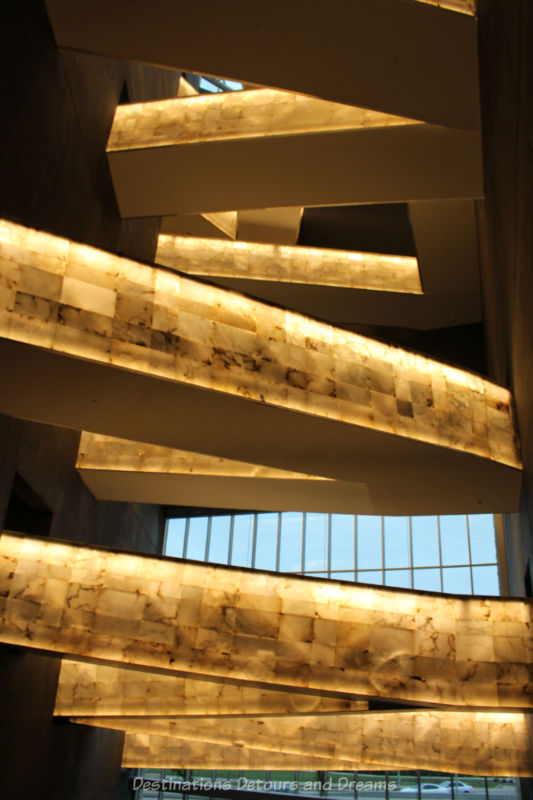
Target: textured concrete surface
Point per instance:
(57, 109)
(506, 69)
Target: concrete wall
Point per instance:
(506, 70)
(57, 109)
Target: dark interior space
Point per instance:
(378, 228)
(57, 109)
(26, 512)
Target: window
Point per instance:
(454, 554)
(429, 553)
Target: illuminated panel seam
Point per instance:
(462, 6)
(265, 629)
(319, 266)
(235, 115)
(77, 300)
(97, 451)
(453, 741)
(94, 690)
(142, 750)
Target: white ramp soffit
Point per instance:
(265, 148)
(410, 58)
(307, 396)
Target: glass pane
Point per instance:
(396, 534)
(398, 577)
(454, 540)
(425, 535)
(197, 538)
(243, 532)
(456, 580)
(342, 541)
(427, 580)
(219, 539)
(371, 785)
(290, 551)
(206, 86)
(482, 538)
(369, 542)
(266, 542)
(278, 776)
(343, 576)
(370, 576)
(486, 580)
(408, 783)
(509, 788)
(308, 776)
(316, 543)
(431, 787)
(464, 785)
(175, 538)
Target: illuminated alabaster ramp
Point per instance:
(280, 225)
(116, 469)
(99, 691)
(184, 717)
(286, 264)
(410, 58)
(475, 743)
(146, 750)
(462, 6)
(259, 629)
(265, 148)
(349, 287)
(91, 329)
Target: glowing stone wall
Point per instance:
(80, 301)
(283, 263)
(266, 630)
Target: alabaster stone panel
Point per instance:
(266, 629)
(79, 301)
(319, 266)
(235, 115)
(400, 68)
(462, 6)
(143, 750)
(126, 471)
(97, 451)
(94, 690)
(444, 741)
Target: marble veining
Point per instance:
(289, 264)
(475, 743)
(97, 451)
(74, 299)
(265, 629)
(145, 750)
(236, 115)
(95, 690)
